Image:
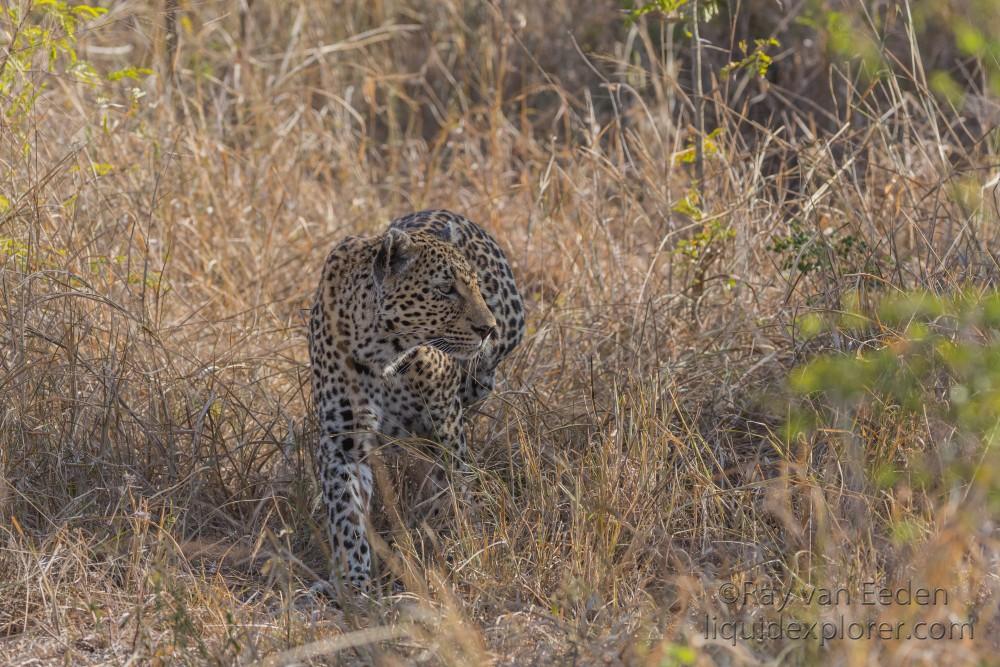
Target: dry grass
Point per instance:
(157, 503)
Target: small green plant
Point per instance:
(668, 8)
(935, 356)
(759, 60)
(929, 359)
(710, 147)
(24, 259)
(673, 10)
(706, 243)
(809, 251)
(38, 41)
(974, 30)
(41, 34)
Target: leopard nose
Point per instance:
(485, 331)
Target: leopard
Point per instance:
(405, 335)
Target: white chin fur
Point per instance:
(462, 353)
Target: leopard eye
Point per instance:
(447, 290)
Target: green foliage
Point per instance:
(919, 404)
(26, 258)
(136, 73)
(962, 30)
(679, 655)
(945, 86)
(15, 248)
(758, 60)
(808, 251)
(672, 10)
(665, 7)
(41, 35)
(690, 206)
(841, 32)
(38, 41)
(965, 32)
(938, 356)
(709, 147)
(41, 38)
(970, 27)
(705, 242)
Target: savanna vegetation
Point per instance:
(758, 245)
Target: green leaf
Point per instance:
(87, 12)
(689, 207)
(136, 73)
(944, 85)
(102, 168)
(969, 39)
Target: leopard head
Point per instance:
(427, 294)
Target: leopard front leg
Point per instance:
(346, 479)
(345, 410)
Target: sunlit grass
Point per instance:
(160, 241)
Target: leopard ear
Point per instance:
(394, 255)
(447, 232)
